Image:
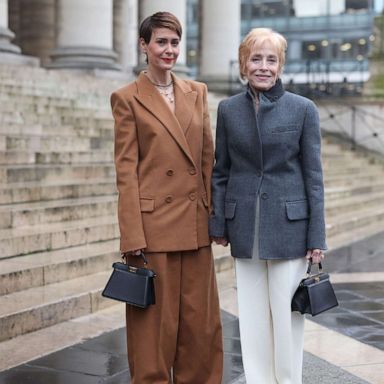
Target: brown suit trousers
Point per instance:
(179, 339)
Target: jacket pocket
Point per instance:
(229, 209)
(297, 210)
(147, 204)
(285, 128)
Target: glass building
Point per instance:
(328, 40)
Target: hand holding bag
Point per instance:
(315, 293)
(131, 285)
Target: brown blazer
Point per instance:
(163, 164)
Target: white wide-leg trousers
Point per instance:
(271, 335)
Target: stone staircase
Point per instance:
(58, 227)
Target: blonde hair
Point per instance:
(255, 38)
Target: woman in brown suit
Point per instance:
(164, 160)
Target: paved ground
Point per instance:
(360, 316)
(103, 360)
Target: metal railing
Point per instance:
(360, 124)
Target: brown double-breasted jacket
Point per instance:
(163, 164)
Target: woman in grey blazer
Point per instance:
(268, 203)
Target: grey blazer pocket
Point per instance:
(229, 209)
(297, 210)
(146, 204)
(285, 128)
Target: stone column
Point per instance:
(10, 53)
(125, 32)
(179, 9)
(34, 23)
(220, 28)
(84, 35)
(5, 34)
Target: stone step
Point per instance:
(21, 129)
(331, 162)
(347, 237)
(66, 97)
(16, 157)
(340, 180)
(46, 237)
(354, 203)
(32, 130)
(351, 165)
(332, 149)
(47, 86)
(29, 157)
(29, 117)
(351, 221)
(41, 307)
(49, 267)
(43, 212)
(95, 156)
(39, 81)
(48, 172)
(351, 170)
(97, 108)
(339, 192)
(23, 192)
(57, 143)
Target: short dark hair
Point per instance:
(159, 20)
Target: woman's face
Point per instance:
(162, 50)
(263, 67)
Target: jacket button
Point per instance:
(192, 171)
(264, 196)
(192, 196)
(170, 172)
(258, 173)
(168, 199)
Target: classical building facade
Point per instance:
(102, 34)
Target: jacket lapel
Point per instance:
(185, 103)
(151, 100)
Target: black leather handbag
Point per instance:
(131, 285)
(315, 293)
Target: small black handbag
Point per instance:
(315, 293)
(131, 285)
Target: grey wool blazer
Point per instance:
(274, 154)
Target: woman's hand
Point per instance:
(135, 252)
(315, 255)
(220, 241)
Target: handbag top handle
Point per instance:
(145, 261)
(320, 267)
